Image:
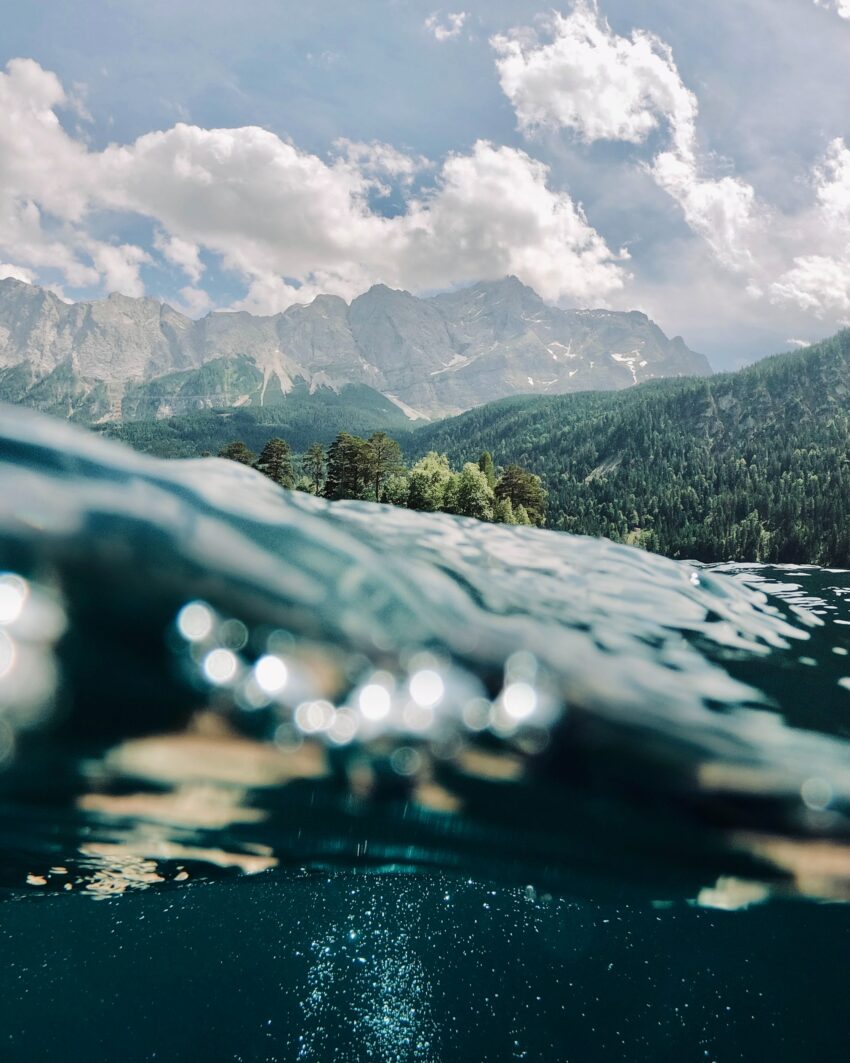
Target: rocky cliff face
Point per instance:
(129, 358)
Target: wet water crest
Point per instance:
(391, 786)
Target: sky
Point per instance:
(688, 160)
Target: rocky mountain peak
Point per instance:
(436, 355)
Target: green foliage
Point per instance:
(300, 417)
(237, 451)
(275, 461)
(503, 511)
(485, 464)
(473, 496)
(383, 457)
(524, 490)
(349, 467)
(429, 478)
(397, 489)
(750, 465)
(313, 467)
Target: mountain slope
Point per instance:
(305, 417)
(748, 465)
(126, 359)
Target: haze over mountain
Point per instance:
(131, 359)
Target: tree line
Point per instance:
(750, 466)
(374, 469)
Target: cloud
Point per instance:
(576, 74)
(840, 7)
(819, 280)
(585, 78)
(448, 29)
(17, 273)
(290, 223)
(180, 253)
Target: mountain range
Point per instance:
(125, 359)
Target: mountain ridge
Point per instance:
(100, 360)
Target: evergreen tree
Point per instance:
(313, 465)
(384, 458)
(524, 489)
(237, 451)
(503, 511)
(485, 464)
(275, 461)
(349, 472)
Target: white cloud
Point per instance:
(17, 273)
(587, 79)
(194, 301)
(180, 253)
(449, 28)
(582, 77)
(819, 280)
(840, 7)
(290, 223)
(601, 86)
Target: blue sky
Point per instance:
(692, 161)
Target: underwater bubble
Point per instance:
(406, 761)
(271, 673)
(313, 716)
(344, 727)
(519, 700)
(426, 687)
(13, 594)
(233, 634)
(195, 621)
(220, 666)
(7, 654)
(816, 793)
(477, 714)
(521, 666)
(375, 698)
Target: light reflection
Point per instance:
(375, 701)
(7, 654)
(271, 673)
(13, 594)
(519, 700)
(427, 687)
(195, 621)
(220, 666)
(816, 793)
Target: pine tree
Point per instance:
(237, 451)
(485, 464)
(503, 511)
(524, 489)
(384, 459)
(313, 464)
(349, 471)
(275, 461)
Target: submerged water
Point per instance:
(354, 783)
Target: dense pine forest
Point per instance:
(753, 465)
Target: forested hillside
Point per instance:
(304, 418)
(751, 465)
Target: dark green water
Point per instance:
(288, 781)
(425, 968)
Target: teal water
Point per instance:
(291, 780)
